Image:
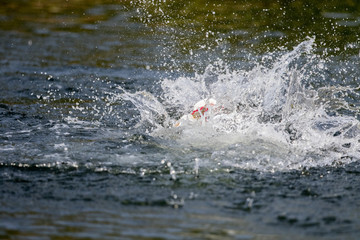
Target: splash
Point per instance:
(271, 118)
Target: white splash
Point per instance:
(269, 120)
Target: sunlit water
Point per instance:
(90, 145)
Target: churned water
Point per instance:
(98, 138)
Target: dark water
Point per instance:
(90, 91)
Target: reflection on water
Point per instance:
(91, 90)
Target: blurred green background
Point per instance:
(335, 23)
(185, 31)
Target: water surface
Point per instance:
(90, 93)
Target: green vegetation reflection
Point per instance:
(193, 24)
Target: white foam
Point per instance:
(270, 120)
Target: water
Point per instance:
(91, 96)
